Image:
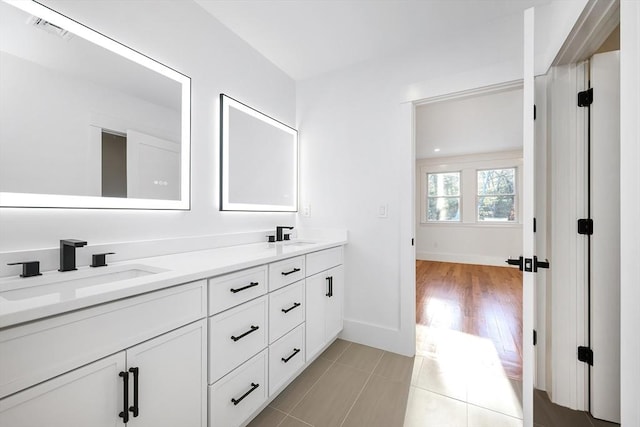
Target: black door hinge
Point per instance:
(535, 337)
(534, 111)
(585, 98)
(585, 354)
(585, 226)
(412, 241)
(534, 225)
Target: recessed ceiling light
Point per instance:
(436, 150)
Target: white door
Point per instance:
(528, 212)
(88, 396)
(605, 241)
(333, 313)
(167, 379)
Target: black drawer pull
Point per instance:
(295, 351)
(330, 286)
(250, 285)
(286, 273)
(253, 329)
(125, 405)
(295, 304)
(134, 409)
(238, 400)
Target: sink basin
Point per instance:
(298, 243)
(54, 286)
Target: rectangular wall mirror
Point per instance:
(259, 157)
(86, 122)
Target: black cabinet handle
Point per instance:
(238, 400)
(253, 329)
(295, 304)
(295, 351)
(125, 405)
(250, 285)
(330, 286)
(286, 273)
(135, 409)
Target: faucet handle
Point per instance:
(29, 268)
(100, 260)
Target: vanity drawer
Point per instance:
(248, 388)
(233, 289)
(287, 271)
(235, 335)
(323, 260)
(34, 352)
(286, 357)
(286, 309)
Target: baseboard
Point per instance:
(462, 258)
(389, 339)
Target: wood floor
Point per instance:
(470, 308)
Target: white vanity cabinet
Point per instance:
(324, 299)
(140, 361)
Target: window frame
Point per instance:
(425, 203)
(516, 219)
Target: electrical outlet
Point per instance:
(383, 211)
(306, 210)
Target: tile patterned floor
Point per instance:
(355, 385)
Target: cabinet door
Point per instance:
(333, 307)
(88, 396)
(317, 287)
(171, 379)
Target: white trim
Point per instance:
(461, 258)
(630, 210)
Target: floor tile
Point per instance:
(549, 414)
(361, 357)
(335, 350)
(448, 382)
(294, 392)
(425, 408)
(329, 400)
(269, 417)
(395, 367)
(481, 417)
(417, 365)
(382, 403)
(292, 422)
(495, 392)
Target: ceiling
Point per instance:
(312, 37)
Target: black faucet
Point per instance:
(279, 232)
(68, 253)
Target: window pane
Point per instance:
(443, 209)
(496, 208)
(497, 181)
(444, 184)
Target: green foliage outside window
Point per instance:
(497, 195)
(443, 196)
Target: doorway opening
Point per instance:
(469, 163)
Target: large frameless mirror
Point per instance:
(86, 122)
(259, 170)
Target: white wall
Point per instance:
(356, 150)
(469, 241)
(183, 36)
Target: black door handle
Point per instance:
(250, 285)
(286, 310)
(253, 329)
(135, 409)
(238, 400)
(286, 273)
(295, 351)
(125, 405)
(517, 262)
(330, 286)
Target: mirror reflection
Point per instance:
(86, 117)
(259, 160)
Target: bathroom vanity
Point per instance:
(192, 339)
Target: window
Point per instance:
(443, 196)
(496, 199)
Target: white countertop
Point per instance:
(27, 299)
